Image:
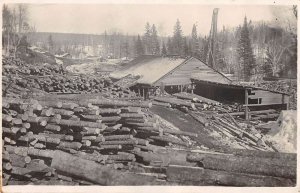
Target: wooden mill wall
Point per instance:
(182, 74)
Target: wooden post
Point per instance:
(147, 94)
(246, 105)
(284, 107)
(162, 88)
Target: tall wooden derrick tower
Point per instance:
(210, 58)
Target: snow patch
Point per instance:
(284, 133)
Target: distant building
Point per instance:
(64, 55)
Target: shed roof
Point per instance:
(207, 73)
(237, 86)
(149, 68)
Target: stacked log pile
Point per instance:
(19, 77)
(12, 65)
(120, 135)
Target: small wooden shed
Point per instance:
(249, 96)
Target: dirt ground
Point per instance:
(185, 122)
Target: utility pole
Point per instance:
(210, 58)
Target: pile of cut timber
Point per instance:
(186, 100)
(12, 65)
(248, 137)
(18, 76)
(218, 118)
(42, 137)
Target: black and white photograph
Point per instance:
(149, 94)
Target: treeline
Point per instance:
(251, 50)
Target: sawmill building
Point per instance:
(175, 74)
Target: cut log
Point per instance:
(118, 137)
(163, 104)
(91, 117)
(167, 139)
(63, 112)
(52, 127)
(263, 154)
(122, 157)
(22, 151)
(120, 142)
(7, 118)
(145, 124)
(131, 110)
(7, 166)
(110, 119)
(164, 158)
(70, 145)
(256, 166)
(19, 161)
(179, 132)
(104, 111)
(90, 131)
(200, 119)
(175, 101)
(142, 141)
(47, 112)
(44, 138)
(40, 153)
(91, 171)
(10, 131)
(199, 176)
(103, 147)
(69, 105)
(70, 123)
(119, 103)
(131, 115)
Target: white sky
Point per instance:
(131, 19)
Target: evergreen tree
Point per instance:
(267, 67)
(186, 50)
(203, 43)
(154, 41)
(169, 47)
(147, 39)
(139, 48)
(50, 43)
(245, 53)
(164, 49)
(125, 46)
(190, 48)
(106, 44)
(219, 57)
(194, 41)
(177, 41)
